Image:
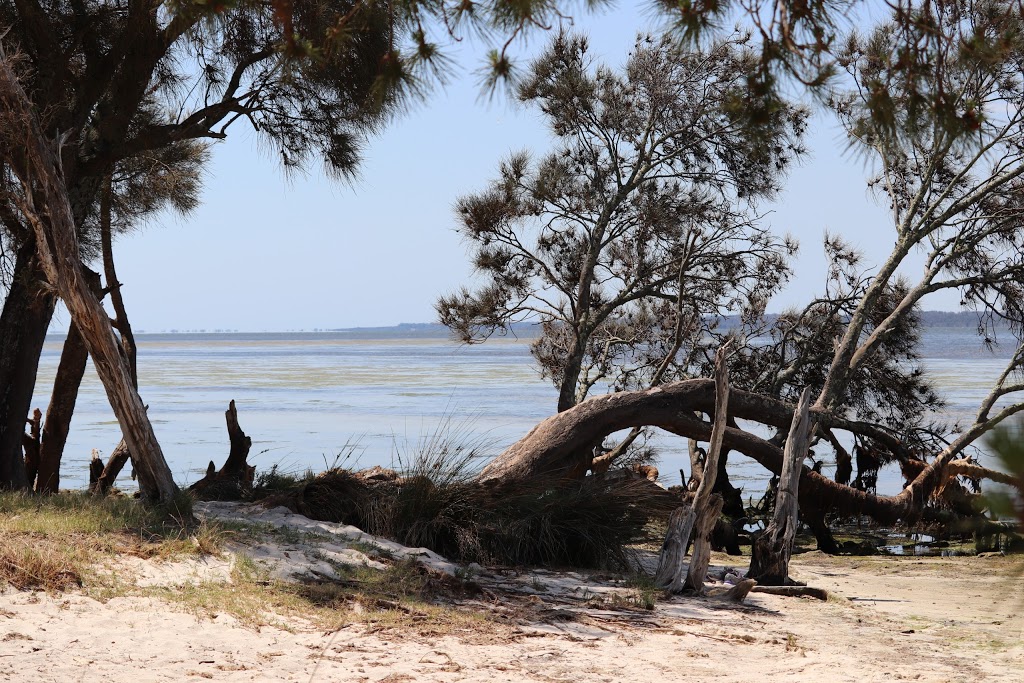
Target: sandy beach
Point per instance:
(891, 618)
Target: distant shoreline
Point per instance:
(930, 320)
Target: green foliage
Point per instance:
(639, 230)
(1007, 443)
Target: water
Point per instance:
(304, 398)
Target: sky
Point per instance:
(266, 252)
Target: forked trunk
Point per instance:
(59, 256)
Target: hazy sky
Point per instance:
(268, 253)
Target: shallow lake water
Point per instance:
(305, 398)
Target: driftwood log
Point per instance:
(769, 562)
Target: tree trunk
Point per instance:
(701, 512)
(731, 496)
(23, 324)
(31, 445)
(70, 370)
(700, 556)
(59, 256)
(107, 474)
(769, 562)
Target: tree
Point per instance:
(955, 193)
(639, 229)
(140, 81)
(109, 80)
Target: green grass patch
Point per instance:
(53, 542)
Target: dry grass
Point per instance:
(69, 542)
(406, 597)
(53, 543)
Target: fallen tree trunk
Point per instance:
(769, 560)
(558, 446)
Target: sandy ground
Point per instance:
(922, 619)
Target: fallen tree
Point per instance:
(557, 448)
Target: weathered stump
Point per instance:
(236, 476)
(118, 459)
(700, 556)
(769, 562)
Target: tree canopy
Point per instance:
(639, 229)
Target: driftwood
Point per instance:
(701, 512)
(236, 476)
(737, 593)
(769, 562)
(793, 591)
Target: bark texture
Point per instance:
(70, 370)
(23, 324)
(58, 250)
(769, 562)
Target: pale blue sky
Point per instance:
(265, 253)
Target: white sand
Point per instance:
(934, 619)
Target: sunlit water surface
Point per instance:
(305, 398)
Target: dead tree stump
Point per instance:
(236, 476)
(670, 573)
(769, 562)
(118, 459)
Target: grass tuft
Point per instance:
(433, 500)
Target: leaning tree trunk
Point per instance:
(59, 255)
(23, 324)
(73, 359)
(769, 562)
(120, 456)
(700, 512)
